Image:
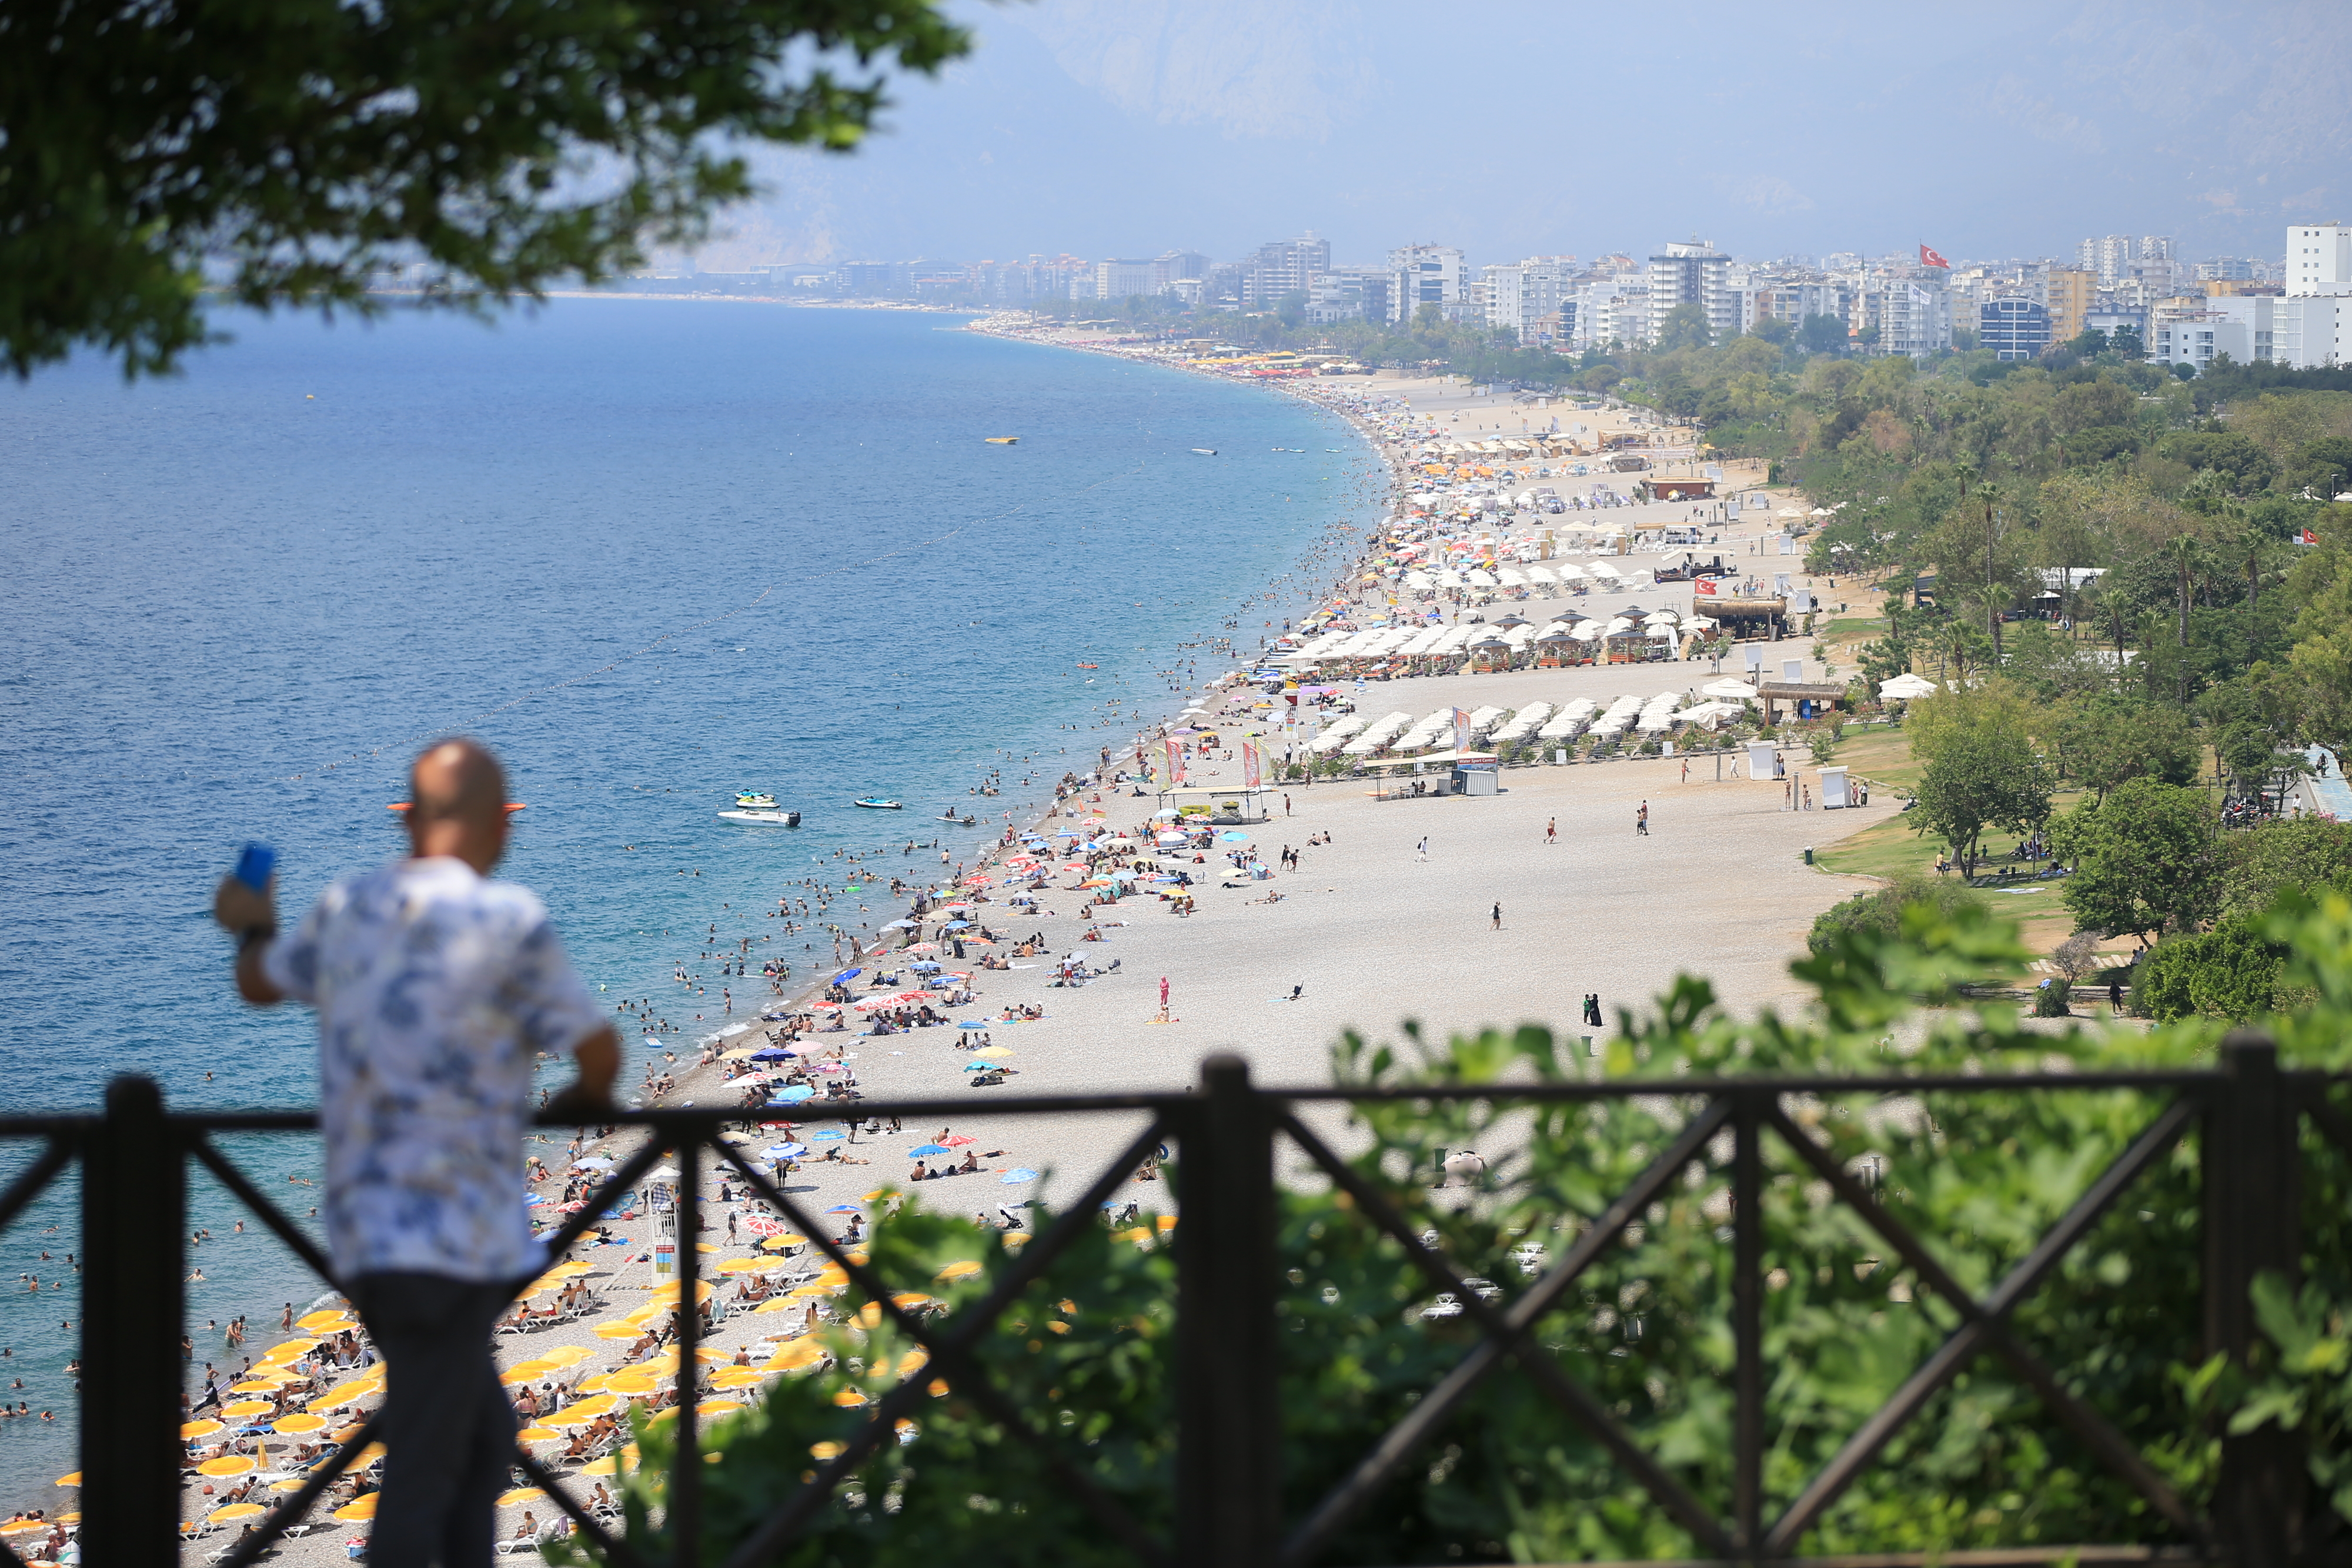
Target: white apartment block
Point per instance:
(1692, 273)
(1793, 302)
(1125, 279)
(1422, 274)
(2313, 331)
(2319, 259)
(1527, 296)
(1911, 319)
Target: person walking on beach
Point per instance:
(1164, 998)
(1641, 820)
(1424, 847)
(436, 990)
(1551, 831)
(1498, 917)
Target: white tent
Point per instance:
(1729, 688)
(1906, 687)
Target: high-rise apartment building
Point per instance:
(1126, 279)
(1692, 272)
(1422, 274)
(1793, 302)
(2071, 292)
(1349, 294)
(2319, 259)
(1284, 266)
(1525, 296)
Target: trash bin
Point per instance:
(1809, 854)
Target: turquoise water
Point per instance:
(654, 552)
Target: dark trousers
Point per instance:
(448, 1432)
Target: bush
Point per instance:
(1880, 911)
(2229, 972)
(2049, 999)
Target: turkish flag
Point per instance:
(1929, 259)
(2310, 536)
(1704, 585)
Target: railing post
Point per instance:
(1748, 1327)
(2252, 1226)
(134, 1222)
(1229, 1492)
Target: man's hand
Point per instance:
(590, 1096)
(241, 909)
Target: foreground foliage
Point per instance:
(1087, 1355)
(291, 148)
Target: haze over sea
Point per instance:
(654, 552)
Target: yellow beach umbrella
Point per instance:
(524, 1371)
(291, 1484)
(831, 1274)
(235, 1511)
(735, 1377)
(228, 1465)
(368, 1456)
(259, 1386)
(995, 1051)
(749, 1265)
(777, 1304)
(1014, 1239)
(358, 1513)
(288, 1350)
(912, 1360)
(580, 1412)
(778, 1242)
(1166, 1221)
(298, 1425)
(619, 1327)
(822, 1451)
(794, 1354)
(907, 1300)
(565, 1355)
(72, 1481)
(521, 1494)
(808, 1292)
(537, 1434)
(720, 1408)
(963, 1269)
(633, 1381)
(572, 1268)
(195, 1430)
(245, 1410)
(330, 1321)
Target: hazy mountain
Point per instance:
(2008, 128)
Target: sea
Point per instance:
(654, 552)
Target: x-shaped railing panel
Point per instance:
(1507, 1334)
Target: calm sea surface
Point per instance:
(654, 552)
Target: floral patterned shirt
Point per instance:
(435, 989)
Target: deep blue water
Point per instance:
(653, 552)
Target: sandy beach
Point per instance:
(1390, 914)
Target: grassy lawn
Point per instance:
(1868, 628)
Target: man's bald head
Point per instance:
(458, 799)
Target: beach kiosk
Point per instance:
(1763, 760)
(1835, 792)
(1216, 803)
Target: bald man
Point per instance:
(436, 988)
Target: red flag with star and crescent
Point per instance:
(1929, 259)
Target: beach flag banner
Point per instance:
(1249, 764)
(1704, 586)
(1175, 749)
(1461, 732)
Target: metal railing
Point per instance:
(2247, 1117)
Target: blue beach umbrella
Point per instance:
(826, 1135)
(1015, 1177)
(774, 1053)
(979, 1066)
(846, 976)
(1233, 836)
(785, 1152)
(926, 1151)
(843, 1209)
(792, 1096)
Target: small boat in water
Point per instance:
(1206, 450)
(963, 820)
(761, 809)
(1002, 440)
(877, 803)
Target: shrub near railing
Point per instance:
(1979, 1177)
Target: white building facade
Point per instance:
(1422, 274)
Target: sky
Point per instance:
(2007, 128)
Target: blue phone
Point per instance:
(254, 866)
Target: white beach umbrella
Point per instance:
(1729, 688)
(1906, 687)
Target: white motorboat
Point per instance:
(761, 809)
